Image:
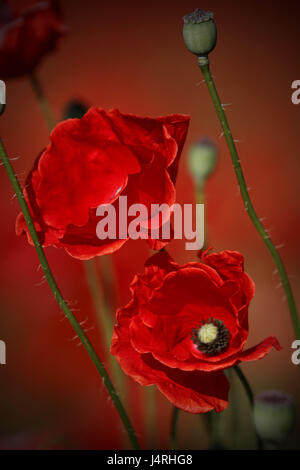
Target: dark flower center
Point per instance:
(211, 337)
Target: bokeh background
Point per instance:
(131, 55)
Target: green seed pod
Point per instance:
(202, 160)
(274, 416)
(200, 32)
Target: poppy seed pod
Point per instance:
(202, 159)
(200, 32)
(274, 416)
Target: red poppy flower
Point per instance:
(28, 31)
(184, 325)
(92, 161)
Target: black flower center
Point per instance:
(211, 337)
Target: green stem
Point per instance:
(250, 396)
(215, 419)
(104, 317)
(247, 201)
(245, 384)
(174, 434)
(44, 105)
(61, 302)
(108, 277)
(200, 193)
(200, 199)
(234, 403)
(150, 415)
(99, 301)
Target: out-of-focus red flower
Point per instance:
(184, 325)
(28, 31)
(92, 161)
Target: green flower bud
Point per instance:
(274, 416)
(200, 33)
(202, 160)
(74, 109)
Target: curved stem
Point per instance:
(245, 384)
(250, 396)
(100, 302)
(174, 422)
(40, 95)
(247, 201)
(102, 309)
(61, 302)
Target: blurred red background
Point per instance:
(131, 55)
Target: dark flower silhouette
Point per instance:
(28, 31)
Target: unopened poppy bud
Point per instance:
(274, 416)
(2, 97)
(202, 159)
(74, 109)
(200, 33)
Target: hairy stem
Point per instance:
(247, 201)
(104, 317)
(61, 302)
